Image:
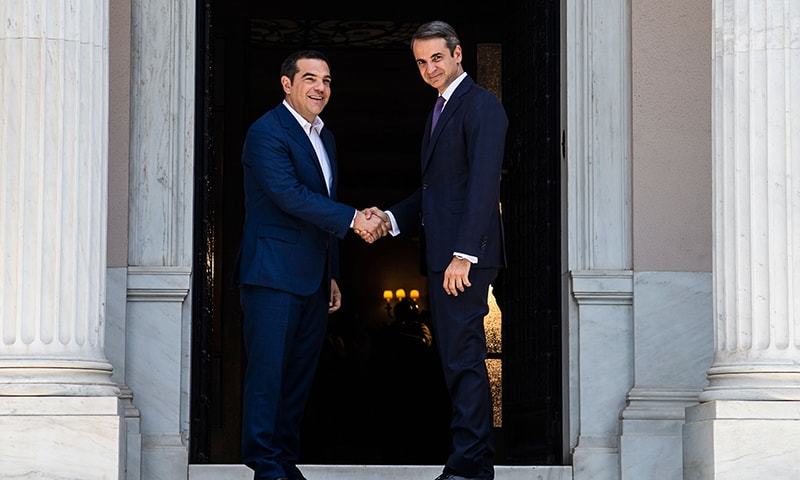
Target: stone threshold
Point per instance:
(379, 472)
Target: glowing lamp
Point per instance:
(414, 294)
(400, 294)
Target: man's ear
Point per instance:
(457, 53)
(286, 84)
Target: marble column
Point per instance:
(599, 325)
(57, 400)
(160, 226)
(749, 423)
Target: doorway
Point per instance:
(379, 396)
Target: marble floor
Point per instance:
(377, 472)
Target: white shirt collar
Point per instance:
(305, 124)
(448, 92)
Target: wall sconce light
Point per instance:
(387, 297)
(398, 296)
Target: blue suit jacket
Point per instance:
(291, 224)
(458, 203)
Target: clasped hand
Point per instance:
(371, 224)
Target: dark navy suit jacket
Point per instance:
(291, 223)
(458, 203)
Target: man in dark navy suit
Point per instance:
(458, 208)
(288, 262)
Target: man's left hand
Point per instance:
(336, 297)
(456, 277)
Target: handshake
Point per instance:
(371, 224)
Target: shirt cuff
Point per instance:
(395, 231)
(463, 256)
(353, 221)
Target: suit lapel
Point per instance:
(450, 109)
(296, 133)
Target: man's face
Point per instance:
(436, 64)
(308, 92)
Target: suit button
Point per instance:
(424, 186)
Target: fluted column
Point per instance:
(756, 148)
(53, 198)
(748, 422)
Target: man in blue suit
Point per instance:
(288, 261)
(458, 208)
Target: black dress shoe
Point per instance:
(450, 476)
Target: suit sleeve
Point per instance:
(266, 158)
(485, 126)
(406, 212)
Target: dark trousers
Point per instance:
(458, 329)
(283, 335)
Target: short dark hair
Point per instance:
(289, 66)
(437, 29)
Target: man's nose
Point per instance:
(431, 68)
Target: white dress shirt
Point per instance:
(448, 92)
(313, 131)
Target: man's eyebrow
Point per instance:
(314, 75)
(434, 55)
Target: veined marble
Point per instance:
(672, 351)
(157, 370)
(605, 368)
(220, 472)
(161, 225)
(739, 432)
(116, 295)
(597, 197)
(756, 148)
(61, 437)
(59, 412)
(116, 350)
(164, 457)
(53, 189)
(376, 472)
(673, 329)
(742, 440)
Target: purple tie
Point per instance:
(437, 112)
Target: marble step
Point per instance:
(377, 472)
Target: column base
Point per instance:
(62, 437)
(164, 456)
(753, 382)
(56, 377)
(738, 440)
(596, 458)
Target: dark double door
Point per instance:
(379, 395)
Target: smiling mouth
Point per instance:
(319, 99)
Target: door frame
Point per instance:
(596, 189)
